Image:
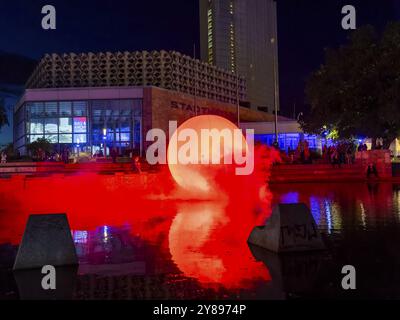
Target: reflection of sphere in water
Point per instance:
(209, 137)
(190, 230)
(208, 244)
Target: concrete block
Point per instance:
(47, 240)
(290, 228)
(29, 283)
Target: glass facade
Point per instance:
(90, 126)
(290, 140)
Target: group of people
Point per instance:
(54, 156)
(362, 147)
(301, 154)
(341, 153)
(64, 156)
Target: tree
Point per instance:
(357, 91)
(3, 114)
(40, 148)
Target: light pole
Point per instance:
(276, 89)
(78, 146)
(104, 141)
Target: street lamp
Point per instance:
(105, 139)
(78, 146)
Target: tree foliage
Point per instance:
(357, 90)
(40, 148)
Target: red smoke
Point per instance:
(204, 234)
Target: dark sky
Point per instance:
(305, 28)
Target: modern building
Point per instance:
(93, 102)
(241, 36)
(169, 70)
(289, 134)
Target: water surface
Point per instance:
(133, 247)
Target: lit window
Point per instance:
(65, 138)
(80, 125)
(53, 138)
(65, 125)
(79, 138)
(36, 127)
(51, 125)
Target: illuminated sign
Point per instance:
(80, 125)
(187, 107)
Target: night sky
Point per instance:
(305, 28)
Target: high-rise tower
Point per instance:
(241, 36)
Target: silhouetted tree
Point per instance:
(39, 148)
(357, 90)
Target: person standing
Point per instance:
(3, 157)
(137, 166)
(114, 155)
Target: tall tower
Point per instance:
(236, 35)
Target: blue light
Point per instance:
(290, 197)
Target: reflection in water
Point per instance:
(336, 207)
(137, 245)
(122, 230)
(189, 233)
(208, 245)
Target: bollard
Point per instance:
(47, 240)
(290, 228)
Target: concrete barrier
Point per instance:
(290, 228)
(47, 240)
(29, 283)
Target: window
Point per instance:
(53, 138)
(65, 138)
(80, 125)
(36, 127)
(51, 109)
(36, 109)
(79, 108)
(51, 125)
(79, 138)
(125, 126)
(125, 136)
(66, 109)
(65, 125)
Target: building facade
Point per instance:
(290, 134)
(92, 103)
(165, 69)
(236, 35)
(96, 119)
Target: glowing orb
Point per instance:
(200, 148)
